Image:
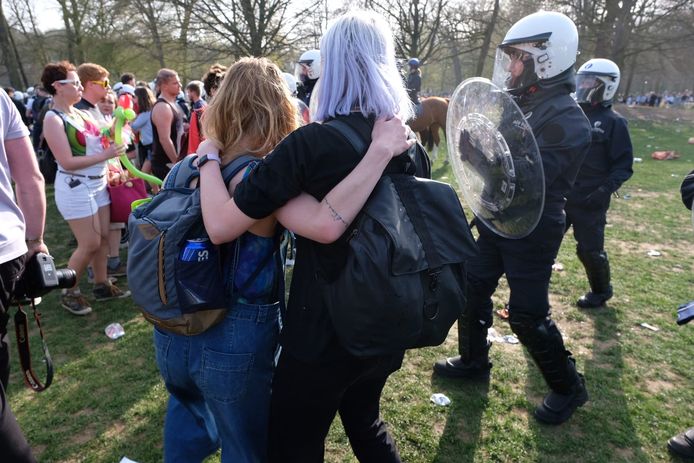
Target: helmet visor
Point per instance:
(589, 88)
(514, 69)
(302, 71)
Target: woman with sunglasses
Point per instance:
(95, 86)
(80, 185)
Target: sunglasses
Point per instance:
(103, 83)
(73, 82)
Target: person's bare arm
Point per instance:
(30, 190)
(162, 116)
(54, 131)
(224, 221)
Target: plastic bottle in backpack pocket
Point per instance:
(199, 283)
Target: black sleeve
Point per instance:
(621, 155)
(275, 180)
(563, 141)
(687, 190)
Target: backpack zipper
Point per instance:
(161, 282)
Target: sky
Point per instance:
(47, 14)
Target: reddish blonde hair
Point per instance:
(252, 106)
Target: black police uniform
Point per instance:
(563, 137)
(687, 190)
(607, 166)
(305, 89)
(414, 86)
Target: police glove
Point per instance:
(599, 197)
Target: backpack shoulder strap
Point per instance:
(235, 166)
(184, 172)
(349, 134)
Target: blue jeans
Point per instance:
(219, 383)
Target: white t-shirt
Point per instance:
(12, 244)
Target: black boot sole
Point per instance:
(552, 418)
(449, 371)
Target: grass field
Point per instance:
(108, 401)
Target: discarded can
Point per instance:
(440, 399)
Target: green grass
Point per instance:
(108, 401)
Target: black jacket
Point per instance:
(305, 89)
(687, 190)
(414, 86)
(608, 163)
(562, 133)
(563, 137)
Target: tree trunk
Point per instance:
(8, 53)
(484, 50)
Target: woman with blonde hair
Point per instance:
(220, 380)
(316, 377)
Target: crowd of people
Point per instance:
(231, 386)
(665, 100)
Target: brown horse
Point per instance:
(431, 119)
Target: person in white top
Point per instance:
(21, 236)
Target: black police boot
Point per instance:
(455, 367)
(558, 407)
(683, 444)
(598, 270)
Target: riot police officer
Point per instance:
(534, 64)
(606, 167)
(307, 72)
(414, 81)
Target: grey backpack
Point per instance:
(176, 274)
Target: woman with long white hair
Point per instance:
(316, 377)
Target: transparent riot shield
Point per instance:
(495, 158)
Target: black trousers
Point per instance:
(13, 445)
(527, 264)
(588, 225)
(306, 397)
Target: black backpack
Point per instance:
(403, 284)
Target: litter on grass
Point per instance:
(494, 336)
(114, 331)
(440, 399)
(126, 460)
(653, 253)
(558, 266)
(649, 327)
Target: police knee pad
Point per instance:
(536, 333)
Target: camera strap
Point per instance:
(21, 326)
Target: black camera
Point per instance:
(40, 277)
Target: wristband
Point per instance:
(202, 160)
(34, 241)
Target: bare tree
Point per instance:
(151, 20)
(24, 19)
(74, 14)
(9, 53)
(251, 27)
(416, 25)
